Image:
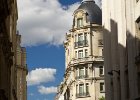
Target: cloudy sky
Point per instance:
(43, 25)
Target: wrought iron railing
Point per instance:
(81, 43)
(82, 76)
(84, 94)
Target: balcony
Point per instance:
(83, 43)
(85, 60)
(84, 94)
(82, 76)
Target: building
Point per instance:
(121, 23)
(84, 75)
(21, 71)
(8, 48)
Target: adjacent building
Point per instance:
(8, 51)
(21, 70)
(121, 23)
(84, 75)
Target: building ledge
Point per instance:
(85, 60)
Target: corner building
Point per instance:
(84, 75)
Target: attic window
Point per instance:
(79, 22)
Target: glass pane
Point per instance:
(79, 22)
(80, 37)
(81, 72)
(81, 88)
(86, 53)
(80, 54)
(101, 70)
(85, 36)
(101, 86)
(87, 87)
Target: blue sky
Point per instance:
(43, 25)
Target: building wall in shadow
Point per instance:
(8, 45)
(121, 50)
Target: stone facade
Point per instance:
(8, 47)
(121, 22)
(21, 71)
(84, 75)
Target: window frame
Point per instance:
(79, 22)
(102, 87)
(101, 70)
(80, 54)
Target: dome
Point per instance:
(94, 13)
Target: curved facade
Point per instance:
(84, 76)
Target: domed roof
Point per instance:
(94, 13)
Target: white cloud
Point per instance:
(44, 21)
(47, 90)
(40, 75)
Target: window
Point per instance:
(85, 36)
(87, 89)
(85, 40)
(76, 88)
(77, 73)
(75, 54)
(101, 70)
(79, 22)
(81, 72)
(81, 89)
(80, 54)
(102, 87)
(86, 71)
(86, 53)
(80, 37)
(80, 40)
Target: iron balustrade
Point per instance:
(84, 94)
(81, 43)
(82, 76)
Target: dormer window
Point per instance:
(79, 22)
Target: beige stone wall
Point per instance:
(21, 71)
